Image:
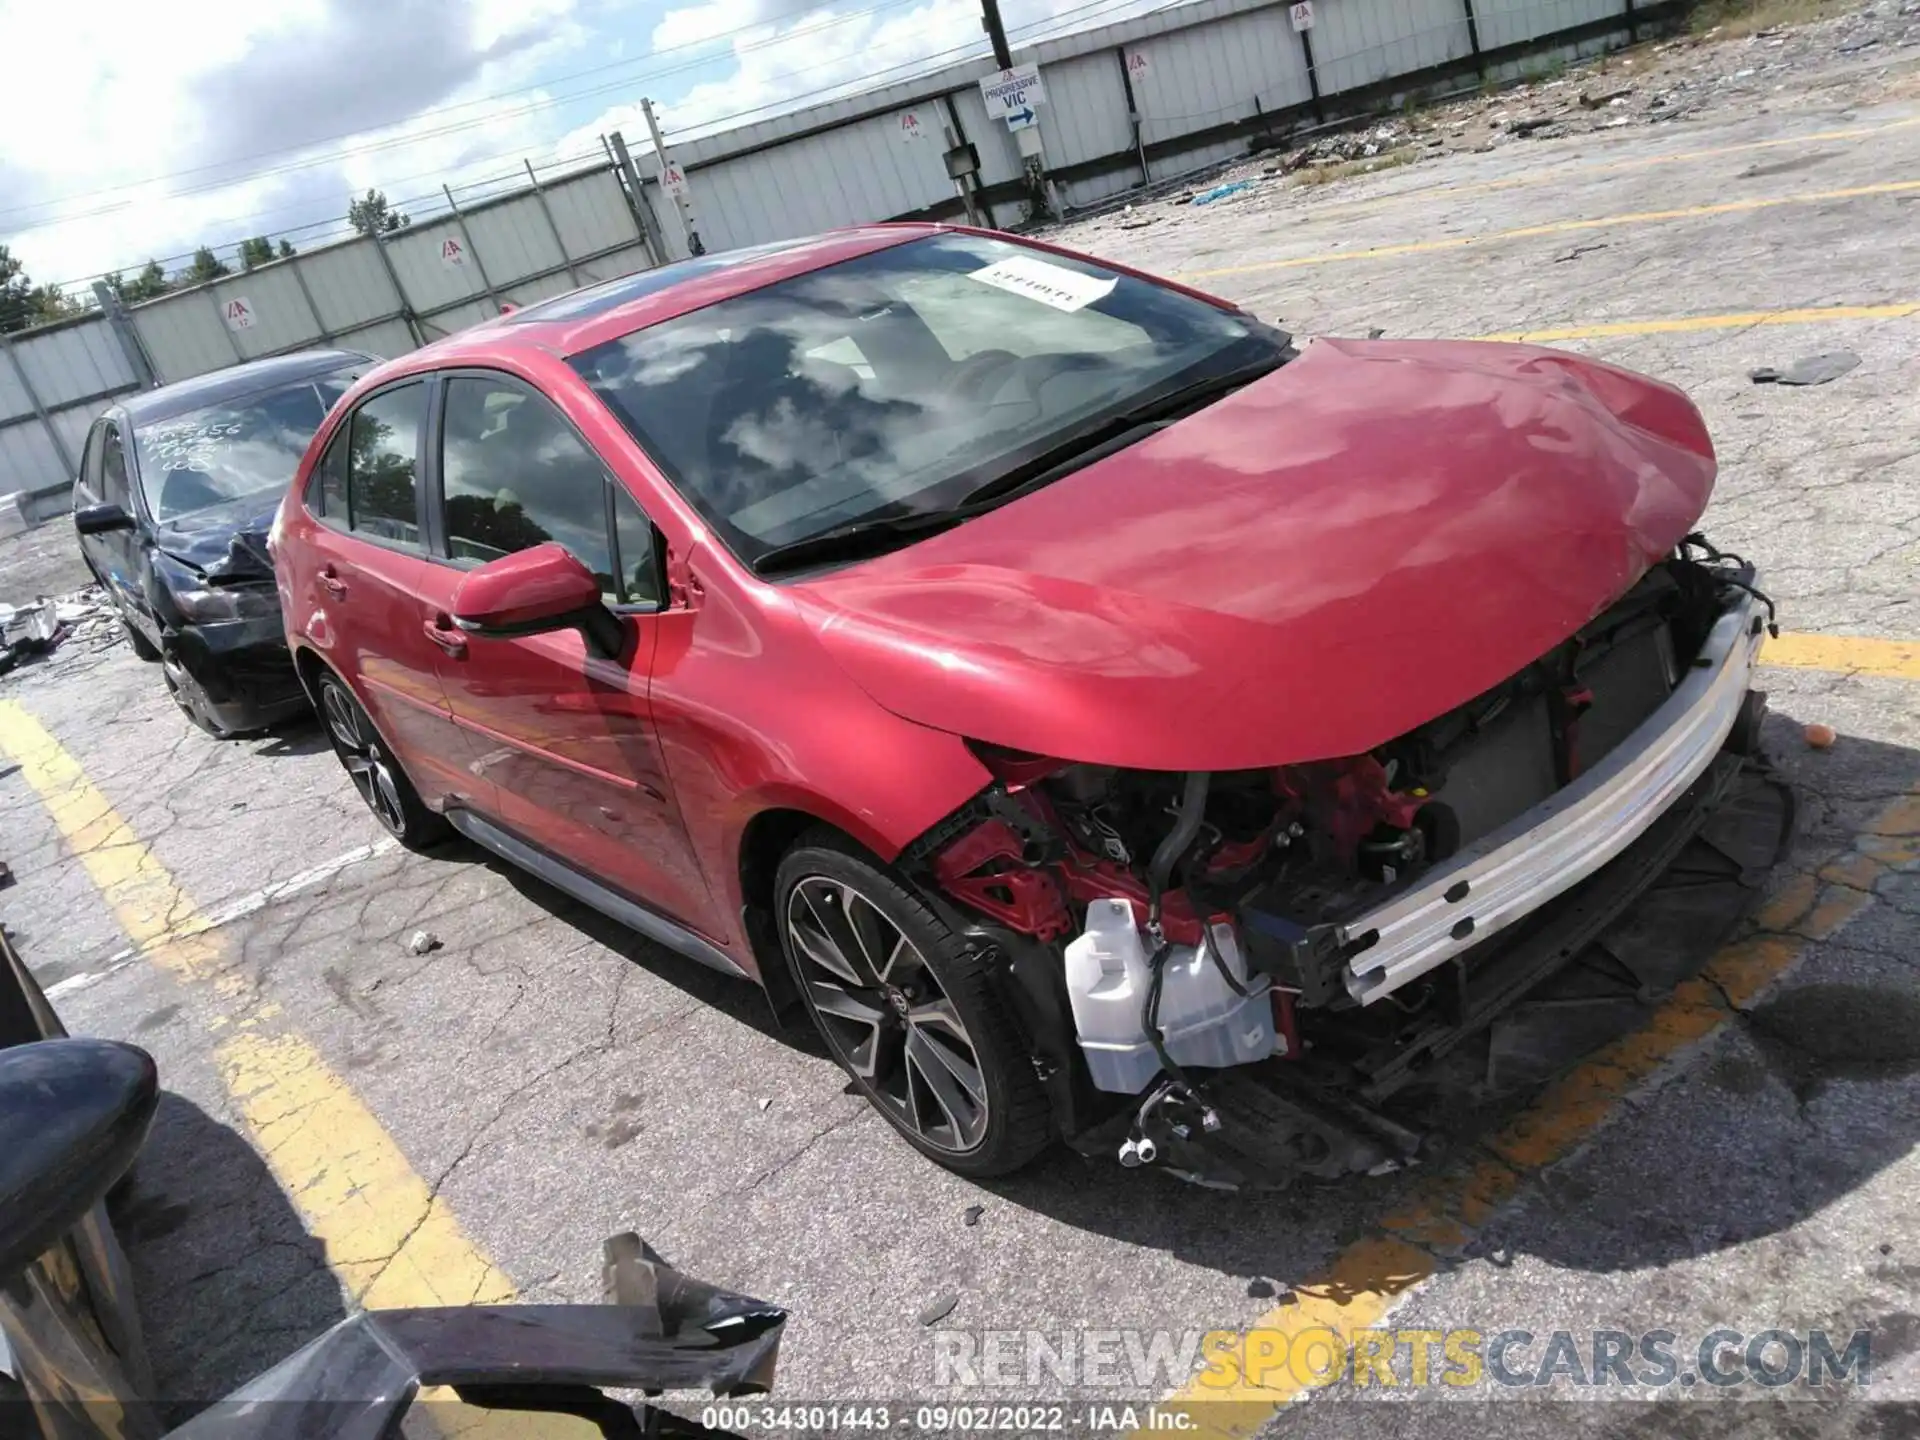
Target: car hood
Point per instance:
(226, 541)
(1347, 548)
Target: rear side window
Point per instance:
(383, 448)
(515, 474)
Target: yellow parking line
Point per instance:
(1253, 1376)
(1610, 167)
(390, 1239)
(1815, 315)
(1564, 227)
(1850, 654)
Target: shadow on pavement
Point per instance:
(229, 1281)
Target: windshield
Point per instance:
(899, 382)
(230, 451)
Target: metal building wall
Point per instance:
(1355, 45)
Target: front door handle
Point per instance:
(441, 632)
(331, 582)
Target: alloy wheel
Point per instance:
(883, 1010)
(360, 750)
(188, 694)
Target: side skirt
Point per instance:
(588, 891)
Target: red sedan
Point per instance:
(1075, 695)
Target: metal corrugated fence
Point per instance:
(1200, 75)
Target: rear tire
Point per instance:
(374, 771)
(907, 1010)
(143, 648)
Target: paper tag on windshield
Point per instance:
(1053, 285)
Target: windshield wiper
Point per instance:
(855, 540)
(858, 539)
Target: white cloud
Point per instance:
(232, 121)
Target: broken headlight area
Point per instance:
(217, 596)
(1315, 968)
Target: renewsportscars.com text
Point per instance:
(1229, 1362)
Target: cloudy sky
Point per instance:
(122, 138)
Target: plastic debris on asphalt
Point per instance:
(1222, 192)
(424, 942)
(1812, 370)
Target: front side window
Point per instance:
(237, 450)
(383, 449)
(514, 474)
(901, 381)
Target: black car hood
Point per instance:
(227, 541)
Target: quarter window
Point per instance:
(114, 487)
(515, 474)
(382, 469)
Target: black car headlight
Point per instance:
(206, 604)
(203, 604)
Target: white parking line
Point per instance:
(238, 909)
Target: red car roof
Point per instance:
(581, 319)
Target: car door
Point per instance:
(369, 594)
(566, 734)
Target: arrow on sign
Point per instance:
(1025, 117)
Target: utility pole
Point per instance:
(996, 32)
(679, 192)
(650, 236)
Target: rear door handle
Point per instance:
(441, 632)
(331, 582)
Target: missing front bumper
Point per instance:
(1501, 879)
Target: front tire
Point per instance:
(908, 1010)
(374, 771)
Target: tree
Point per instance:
(287, 252)
(372, 215)
(16, 291)
(50, 303)
(255, 251)
(206, 266)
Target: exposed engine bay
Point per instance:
(1205, 926)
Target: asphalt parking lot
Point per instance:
(351, 1122)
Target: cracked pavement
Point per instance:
(552, 1078)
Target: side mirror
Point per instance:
(73, 1115)
(534, 591)
(99, 519)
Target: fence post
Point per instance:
(39, 410)
(306, 293)
(399, 290)
(473, 250)
(127, 333)
(1133, 113)
(1473, 37)
(540, 194)
(1313, 75)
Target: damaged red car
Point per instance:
(1107, 720)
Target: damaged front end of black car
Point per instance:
(176, 493)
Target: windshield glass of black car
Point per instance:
(229, 451)
(897, 382)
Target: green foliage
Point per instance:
(372, 215)
(206, 266)
(255, 251)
